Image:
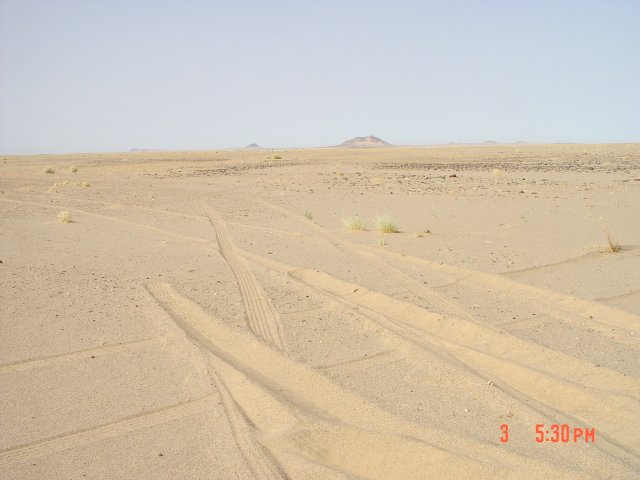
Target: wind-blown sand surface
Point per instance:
(207, 314)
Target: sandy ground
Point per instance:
(207, 314)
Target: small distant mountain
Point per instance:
(253, 145)
(489, 142)
(364, 142)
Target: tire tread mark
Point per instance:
(259, 460)
(582, 311)
(511, 361)
(438, 301)
(262, 464)
(385, 356)
(45, 361)
(262, 318)
(158, 230)
(117, 428)
(120, 205)
(327, 403)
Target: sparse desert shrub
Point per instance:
(308, 215)
(73, 169)
(385, 224)
(612, 245)
(277, 157)
(83, 184)
(353, 223)
(64, 217)
(49, 170)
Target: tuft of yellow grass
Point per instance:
(49, 170)
(385, 224)
(83, 184)
(64, 217)
(612, 245)
(353, 223)
(73, 169)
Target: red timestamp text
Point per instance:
(563, 433)
(556, 433)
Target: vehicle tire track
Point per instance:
(159, 230)
(586, 257)
(428, 453)
(385, 356)
(262, 318)
(261, 462)
(481, 362)
(436, 300)
(527, 371)
(190, 320)
(46, 361)
(91, 435)
(581, 311)
(115, 204)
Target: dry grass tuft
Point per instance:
(353, 223)
(64, 217)
(73, 169)
(308, 215)
(385, 224)
(83, 184)
(612, 245)
(49, 170)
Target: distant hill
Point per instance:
(253, 145)
(364, 142)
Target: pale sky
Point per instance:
(88, 76)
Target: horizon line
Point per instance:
(485, 143)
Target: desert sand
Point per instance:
(208, 315)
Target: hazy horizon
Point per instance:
(311, 147)
(89, 76)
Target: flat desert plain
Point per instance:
(237, 314)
